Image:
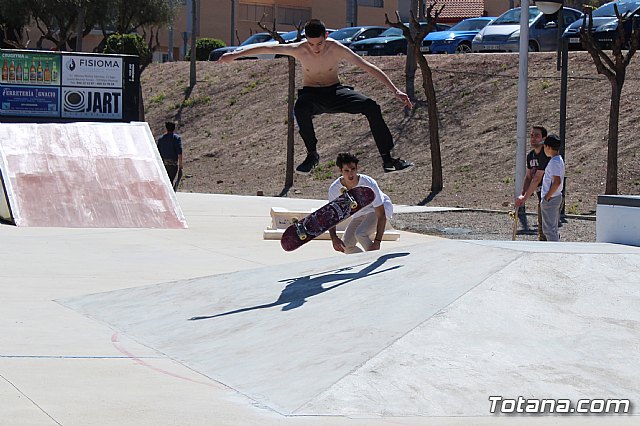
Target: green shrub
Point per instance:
(204, 46)
(129, 44)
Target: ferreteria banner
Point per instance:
(30, 100)
(67, 86)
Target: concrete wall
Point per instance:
(498, 7)
(618, 219)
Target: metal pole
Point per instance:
(563, 98)
(523, 77)
(170, 43)
(564, 59)
(564, 63)
(194, 20)
(186, 35)
(233, 22)
(185, 39)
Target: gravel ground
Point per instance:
(475, 225)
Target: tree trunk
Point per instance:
(410, 65)
(79, 29)
(288, 180)
(612, 138)
(434, 127)
(615, 69)
(410, 72)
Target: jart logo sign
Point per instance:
(91, 103)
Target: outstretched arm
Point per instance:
(349, 56)
(274, 49)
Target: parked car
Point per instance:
(348, 35)
(605, 24)
(390, 42)
(457, 39)
(256, 38)
(503, 34)
(289, 37)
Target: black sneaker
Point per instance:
(397, 165)
(308, 164)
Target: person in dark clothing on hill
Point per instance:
(170, 148)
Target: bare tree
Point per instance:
(410, 65)
(13, 37)
(615, 69)
(55, 20)
(427, 84)
(417, 7)
(291, 96)
(13, 25)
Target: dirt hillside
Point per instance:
(233, 126)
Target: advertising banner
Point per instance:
(92, 71)
(29, 101)
(35, 69)
(43, 86)
(78, 102)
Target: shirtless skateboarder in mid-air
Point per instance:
(322, 92)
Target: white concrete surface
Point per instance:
(283, 335)
(94, 326)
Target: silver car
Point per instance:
(503, 34)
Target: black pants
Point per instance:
(172, 171)
(336, 99)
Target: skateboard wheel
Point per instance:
(299, 229)
(354, 205)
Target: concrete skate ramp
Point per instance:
(85, 175)
(430, 330)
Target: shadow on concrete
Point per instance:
(299, 289)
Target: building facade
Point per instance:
(233, 21)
